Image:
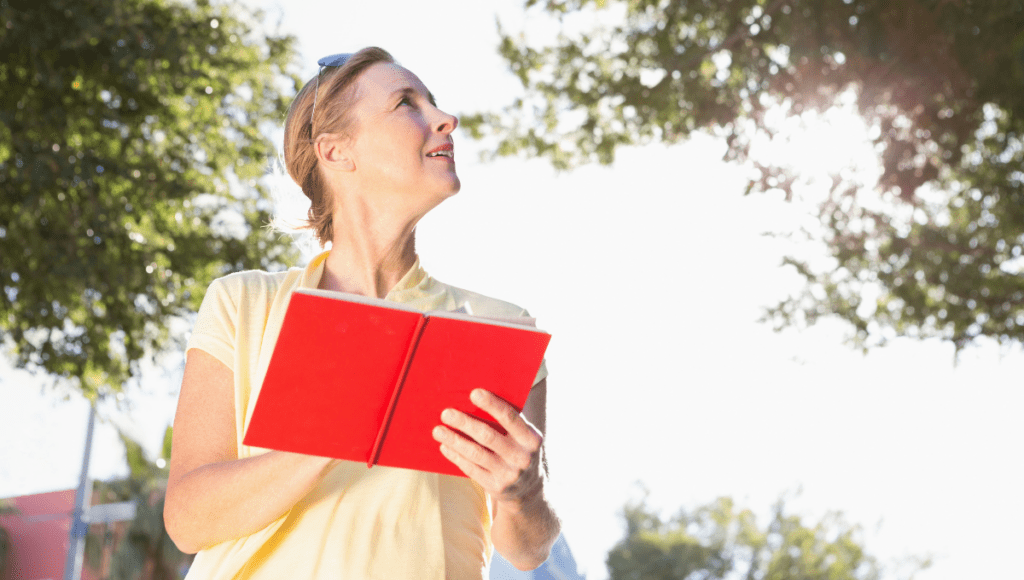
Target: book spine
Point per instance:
(409, 354)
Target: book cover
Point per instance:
(364, 379)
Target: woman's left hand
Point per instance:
(506, 466)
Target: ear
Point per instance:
(332, 152)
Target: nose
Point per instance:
(447, 123)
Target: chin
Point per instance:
(452, 188)
(439, 195)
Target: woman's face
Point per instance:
(396, 133)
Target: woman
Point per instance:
(374, 154)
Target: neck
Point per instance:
(370, 252)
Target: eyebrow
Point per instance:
(409, 91)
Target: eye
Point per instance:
(406, 101)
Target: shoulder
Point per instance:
(241, 290)
(254, 282)
(481, 305)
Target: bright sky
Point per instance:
(651, 275)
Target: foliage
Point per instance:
(145, 546)
(5, 550)
(6, 508)
(718, 541)
(938, 82)
(131, 143)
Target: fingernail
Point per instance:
(438, 432)
(477, 396)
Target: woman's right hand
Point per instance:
(212, 495)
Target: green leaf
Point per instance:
(124, 128)
(940, 236)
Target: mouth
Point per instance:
(446, 151)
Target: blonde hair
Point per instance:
(334, 98)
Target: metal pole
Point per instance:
(76, 537)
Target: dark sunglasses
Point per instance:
(332, 60)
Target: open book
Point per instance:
(364, 379)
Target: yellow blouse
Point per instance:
(359, 522)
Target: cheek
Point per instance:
(387, 155)
(396, 149)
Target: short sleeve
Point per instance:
(542, 372)
(479, 305)
(216, 324)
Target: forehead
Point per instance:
(382, 79)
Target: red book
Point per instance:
(364, 379)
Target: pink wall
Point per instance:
(39, 536)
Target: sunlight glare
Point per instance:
(817, 145)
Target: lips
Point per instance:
(446, 151)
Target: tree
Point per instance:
(144, 550)
(5, 549)
(718, 541)
(938, 83)
(132, 140)
(6, 508)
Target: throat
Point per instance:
(356, 270)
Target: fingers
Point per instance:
(503, 464)
(499, 477)
(470, 450)
(472, 470)
(487, 446)
(508, 417)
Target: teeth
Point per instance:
(440, 153)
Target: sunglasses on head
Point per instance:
(332, 60)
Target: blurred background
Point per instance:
(777, 243)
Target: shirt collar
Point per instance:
(314, 271)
